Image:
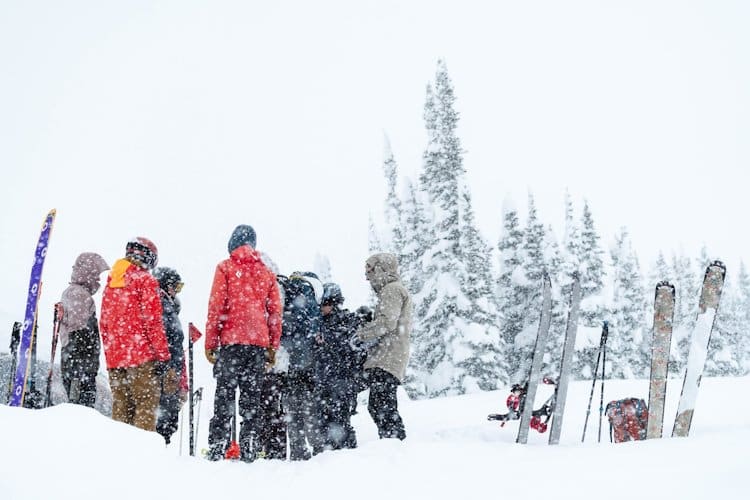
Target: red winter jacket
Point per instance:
(244, 307)
(131, 325)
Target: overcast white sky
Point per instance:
(177, 120)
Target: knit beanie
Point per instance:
(242, 235)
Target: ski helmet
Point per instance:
(167, 277)
(332, 294)
(143, 251)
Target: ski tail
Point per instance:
(561, 390)
(661, 341)
(57, 319)
(536, 362)
(15, 338)
(713, 283)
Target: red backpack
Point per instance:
(628, 419)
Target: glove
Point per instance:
(355, 343)
(170, 382)
(211, 355)
(364, 314)
(270, 357)
(160, 367)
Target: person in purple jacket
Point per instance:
(79, 330)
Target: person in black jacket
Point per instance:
(300, 339)
(337, 369)
(170, 284)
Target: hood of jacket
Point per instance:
(87, 270)
(381, 269)
(245, 254)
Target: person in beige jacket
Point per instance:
(388, 338)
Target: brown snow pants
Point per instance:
(135, 395)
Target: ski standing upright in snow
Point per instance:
(15, 339)
(29, 323)
(713, 283)
(57, 319)
(536, 363)
(561, 391)
(661, 342)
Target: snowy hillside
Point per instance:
(451, 452)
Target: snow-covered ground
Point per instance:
(69, 452)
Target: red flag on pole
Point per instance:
(195, 334)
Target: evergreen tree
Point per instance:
(453, 347)
(533, 269)
(687, 284)
(591, 271)
(322, 267)
(392, 203)
(628, 344)
(511, 290)
(373, 245)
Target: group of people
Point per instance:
(297, 358)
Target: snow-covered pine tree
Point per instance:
(591, 271)
(416, 231)
(511, 284)
(373, 244)
(322, 267)
(445, 335)
(724, 359)
(486, 363)
(392, 203)
(628, 342)
(553, 259)
(687, 282)
(533, 267)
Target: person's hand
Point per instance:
(270, 357)
(160, 367)
(211, 355)
(171, 381)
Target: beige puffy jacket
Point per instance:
(392, 321)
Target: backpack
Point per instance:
(628, 419)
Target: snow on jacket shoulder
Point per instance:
(244, 307)
(131, 318)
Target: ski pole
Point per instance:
(190, 396)
(56, 320)
(596, 374)
(605, 332)
(198, 399)
(15, 339)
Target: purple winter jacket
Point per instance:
(78, 306)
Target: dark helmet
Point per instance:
(143, 251)
(167, 277)
(332, 294)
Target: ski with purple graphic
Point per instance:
(32, 301)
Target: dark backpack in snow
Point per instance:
(628, 419)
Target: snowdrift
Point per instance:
(70, 452)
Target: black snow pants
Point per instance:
(243, 367)
(303, 415)
(272, 439)
(80, 364)
(383, 405)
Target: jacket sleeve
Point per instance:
(274, 310)
(216, 305)
(387, 313)
(152, 319)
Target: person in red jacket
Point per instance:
(133, 336)
(242, 334)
